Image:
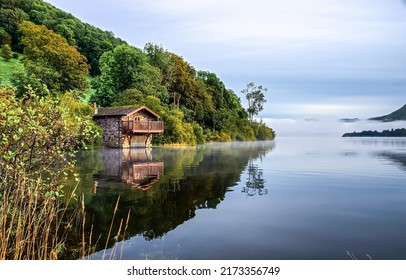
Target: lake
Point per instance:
(292, 198)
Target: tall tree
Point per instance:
(9, 20)
(52, 60)
(255, 96)
(183, 86)
(161, 58)
(124, 68)
(5, 38)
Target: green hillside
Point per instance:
(64, 54)
(90, 40)
(398, 115)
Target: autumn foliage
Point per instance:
(52, 60)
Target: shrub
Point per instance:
(6, 52)
(37, 138)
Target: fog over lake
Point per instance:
(313, 126)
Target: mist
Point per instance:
(326, 127)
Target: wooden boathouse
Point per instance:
(128, 127)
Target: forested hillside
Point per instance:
(61, 53)
(90, 40)
(400, 132)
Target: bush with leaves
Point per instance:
(38, 137)
(6, 52)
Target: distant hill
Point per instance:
(349, 120)
(400, 132)
(398, 115)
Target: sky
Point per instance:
(319, 59)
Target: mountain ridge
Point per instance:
(398, 115)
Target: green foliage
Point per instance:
(5, 38)
(182, 88)
(177, 131)
(25, 82)
(32, 140)
(63, 124)
(198, 131)
(126, 68)
(38, 133)
(214, 86)
(130, 96)
(160, 58)
(6, 52)
(91, 41)
(262, 131)
(38, 137)
(52, 60)
(10, 17)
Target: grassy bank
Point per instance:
(7, 68)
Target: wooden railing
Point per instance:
(141, 171)
(142, 127)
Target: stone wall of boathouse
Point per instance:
(112, 134)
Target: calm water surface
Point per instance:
(311, 198)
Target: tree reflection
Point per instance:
(191, 178)
(255, 184)
(397, 158)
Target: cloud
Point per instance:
(275, 24)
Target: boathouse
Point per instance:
(127, 127)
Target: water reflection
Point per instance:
(391, 148)
(398, 159)
(135, 167)
(390, 142)
(163, 187)
(255, 184)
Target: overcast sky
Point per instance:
(318, 58)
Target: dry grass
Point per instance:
(31, 226)
(34, 227)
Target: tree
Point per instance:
(9, 20)
(52, 60)
(5, 38)
(124, 68)
(6, 52)
(161, 58)
(255, 96)
(183, 87)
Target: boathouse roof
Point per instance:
(123, 111)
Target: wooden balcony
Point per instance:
(145, 127)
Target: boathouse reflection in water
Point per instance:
(171, 184)
(135, 167)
